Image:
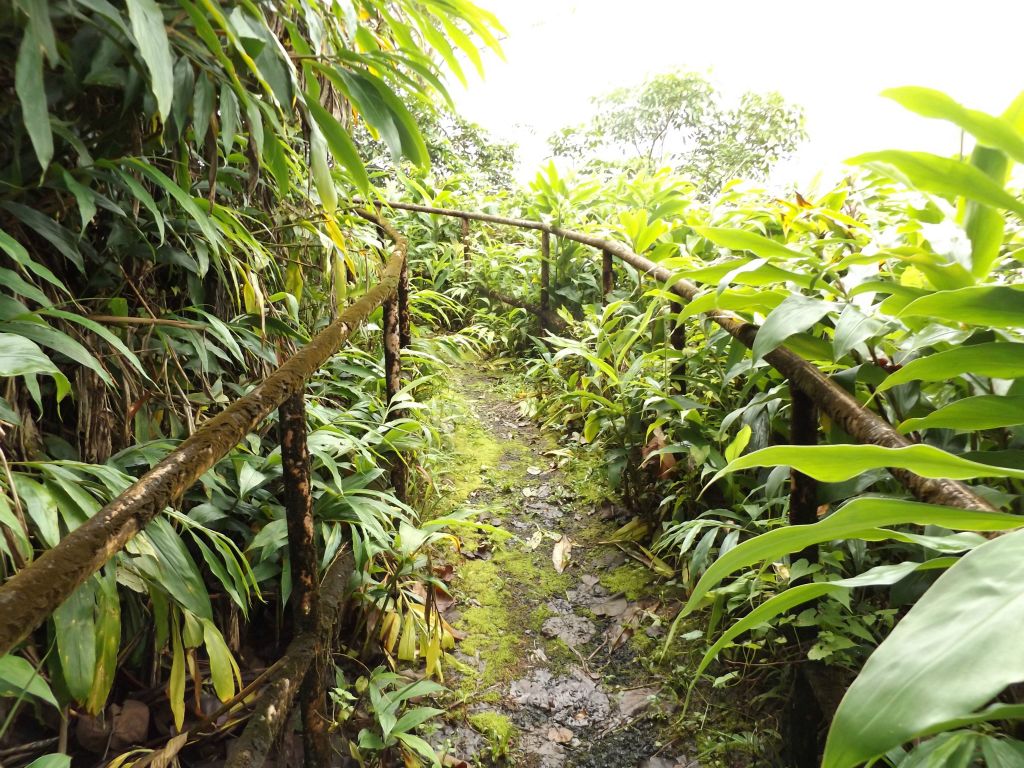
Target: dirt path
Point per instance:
(550, 671)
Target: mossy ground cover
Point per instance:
(495, 466)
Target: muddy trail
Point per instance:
(556, 627)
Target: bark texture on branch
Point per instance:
(607, 273)
(678, 342)
(32, 594)
(859, 422)
(393, 383)
(304, 564)
(803, 493)
(275, 703)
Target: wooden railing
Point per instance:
(822, 392)
(34, 592)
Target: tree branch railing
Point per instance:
(859, 422)
(33, 593)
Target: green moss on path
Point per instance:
(512, 608)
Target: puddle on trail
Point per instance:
(549, 671)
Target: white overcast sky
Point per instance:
(831, 57)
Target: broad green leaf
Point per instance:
(40, 507)
(13, 282)
(883, 575)
(28, 82)
(742, 240)
(182, 197)
(852, 328)
(996, 306)
(83, 196)
(972, 413)
(150, 34)
(74, 624)
(21, 357)
(10, 522)
(863, 515)
(61, 238)
(47, 336)
(54, 760)
(766, 274)
(835, 463)
(342, 147)
(173, 569)
(736, 299)
(739, 444)
(18, 676)
(996, 359)
(17, 251)
(941, 176)
(40, 27)
(961, 638)
(984, 224)
(102, 332)
(419, 746)
(223, 669)
(108, 639)
(990, 131)
(277, 162)
(321, 171)
(176, 679)
(795, 315)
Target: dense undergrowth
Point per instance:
(157, 264)
(900, 284)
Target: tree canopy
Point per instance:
(680, 120)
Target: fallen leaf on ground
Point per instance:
(562, 552)
(637, 700)
(614, 607)
(560, 735)
(161, 758)
(617, 635)
(534, 541)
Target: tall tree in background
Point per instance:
(458, 149)
(680, 119)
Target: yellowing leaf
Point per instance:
(407, 645)
(561, 553)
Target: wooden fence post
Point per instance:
(464, 238)
(803, 497)
(304, 562)
(404, 319)
(607, 273)
(545, 279)
(393, 383)
(678, 342)
(804, 715)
